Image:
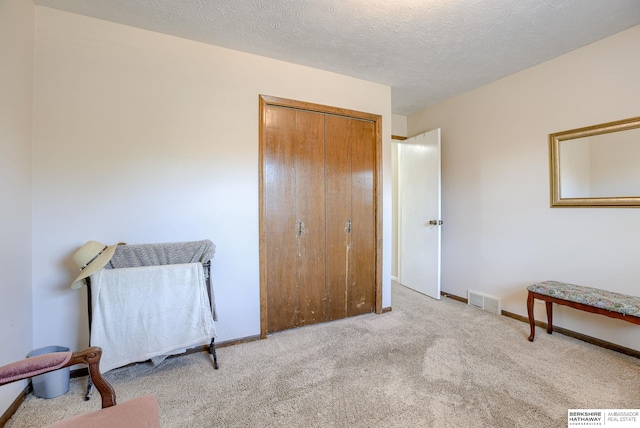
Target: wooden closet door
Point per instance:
(310, 194)
(294, 217)
(338, 142)
(362, 296)
(351, 263)
(319, 249)
(280, 243)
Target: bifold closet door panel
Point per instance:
(338, 196)
(319, 241)
(310, 196)
(363, 218)
(280, 220)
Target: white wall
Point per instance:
(398, 128)
(399, 125)
(499, 233)
(142, 137)
(16, 116)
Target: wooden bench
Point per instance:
(614, 305)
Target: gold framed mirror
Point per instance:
(596, 166)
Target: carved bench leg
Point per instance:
(549, 317)
(532, 321)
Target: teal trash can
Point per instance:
(52, 384)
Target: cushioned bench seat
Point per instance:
(589, 299)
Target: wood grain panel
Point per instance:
(319, 274)
(280, 241)
(362, 295)
(338, 195)
(310, 212)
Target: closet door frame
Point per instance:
(264, 101)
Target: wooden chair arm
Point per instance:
(91, 357)
(44, 363)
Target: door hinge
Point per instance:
(348, 226)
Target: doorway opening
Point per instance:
(417, 212)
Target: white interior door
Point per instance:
(419, 213)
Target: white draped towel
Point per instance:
(142, 312)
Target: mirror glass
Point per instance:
(597, 165)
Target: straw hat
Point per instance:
(90, 258)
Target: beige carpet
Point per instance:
(427, 363)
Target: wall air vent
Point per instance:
(484, 301)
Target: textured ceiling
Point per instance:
(426, 50)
